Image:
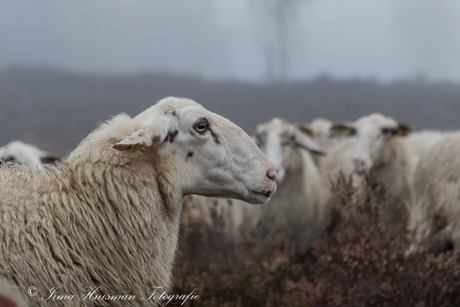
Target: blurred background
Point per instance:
(66, 65)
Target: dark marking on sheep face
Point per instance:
(189, 155)
(171, 135)
(214, 136)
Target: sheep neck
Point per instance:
(133, 215)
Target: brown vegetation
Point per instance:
(358, 261)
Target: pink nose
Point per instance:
(271, 174)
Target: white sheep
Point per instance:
(107, 217)
(298, 209)
(420, 142)
(377, 148)
(25, 154)
(437, 191)
(320, 130)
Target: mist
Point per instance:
(386, 40)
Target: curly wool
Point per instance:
(102, 218)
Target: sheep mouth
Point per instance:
(259, 195)
(267, 194)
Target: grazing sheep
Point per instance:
(25, 154)
(107, 216)
(437, 196)
(378, 150)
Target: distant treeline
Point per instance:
(55, 109)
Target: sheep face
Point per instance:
(278, 140)
(373, 136)
(210, 155)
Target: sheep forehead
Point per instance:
(174, 103)
(165, 106)
(191, 114)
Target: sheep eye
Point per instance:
(201, 126)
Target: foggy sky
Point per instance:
(381, 39)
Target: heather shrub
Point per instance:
(361, 259)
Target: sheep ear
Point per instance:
(403, 130)
(150, 135)
(302, 140)
(342, 130)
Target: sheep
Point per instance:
(106, 218)
(331, 142)
(421, 141)
(320, 131)
(435, 211)
(377, 149)
(26, 154)
(298, 209)
(338, 160)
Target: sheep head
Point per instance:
(211, 155)
(373, 136)
(278, 139)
